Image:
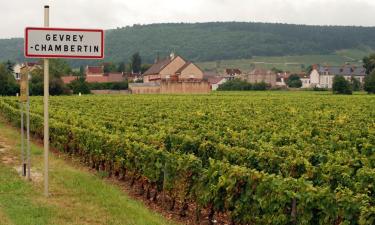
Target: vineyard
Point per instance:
(253, 158)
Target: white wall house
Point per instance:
(306, 82)
(322, 76)
(215, 82)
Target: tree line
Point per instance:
(60, 68)
(219, 41)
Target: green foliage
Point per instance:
(9, 66)
(110, 67)
(80, 86)
(369, 63)
(136, 63)
(369, 85)
(145, 67)
(228, 152)
(120, 86)
(241, 85)
(218, 41)
(294, 81)
(261, 86)
(8, 85)
(356, 84)
(235, 85)
(319, 89)
(341, 85)
(57, 69)
(276, 70)
(109, 86)
(121, 67)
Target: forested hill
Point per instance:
(221, 40)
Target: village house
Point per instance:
(322, 76)
(173, 68)
(281, 79)
(214, 79)
(305, 79)
(215, 82)
(231, 74)
(172, 75)
(260, 75)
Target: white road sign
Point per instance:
(64, 43)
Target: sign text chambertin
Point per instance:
(64, 43)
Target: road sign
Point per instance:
(45, 42)
(24, 89)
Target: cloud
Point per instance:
(17, 14)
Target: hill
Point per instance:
(221, 41)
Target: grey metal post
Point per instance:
(28, 137)
(23, 167)
(45, 100)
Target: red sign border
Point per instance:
(27, 55)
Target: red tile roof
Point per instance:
(68, 79)
(115, 77)
(98, 79)
(233, 71)
(94, 70)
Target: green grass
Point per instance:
(77, 196)
(290, 63)
(16, 200)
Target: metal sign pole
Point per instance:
(28, 131)
(23, 169)
(45, 100)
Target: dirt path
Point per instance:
(9, 157)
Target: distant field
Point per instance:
(289, 63)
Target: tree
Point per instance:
(369, 63)
(81, 71)
(261, 86)
(136, 63)
(121, 67)
(57, 69)
(276, 70)
(235, 85)
(145, 67)
(8, 85)
(109, 67)
(80, 86)
(370, 83)
(309, 69)
(9, 65)
(341, 85)
(294, 81)
(356, 84)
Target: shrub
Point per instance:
(356, 84)
(262, 86)
(370, 83)
(341, 86)
(80, 86)
(294, 81)
(235, 85)
(109, 86)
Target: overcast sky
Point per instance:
(106, 14)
